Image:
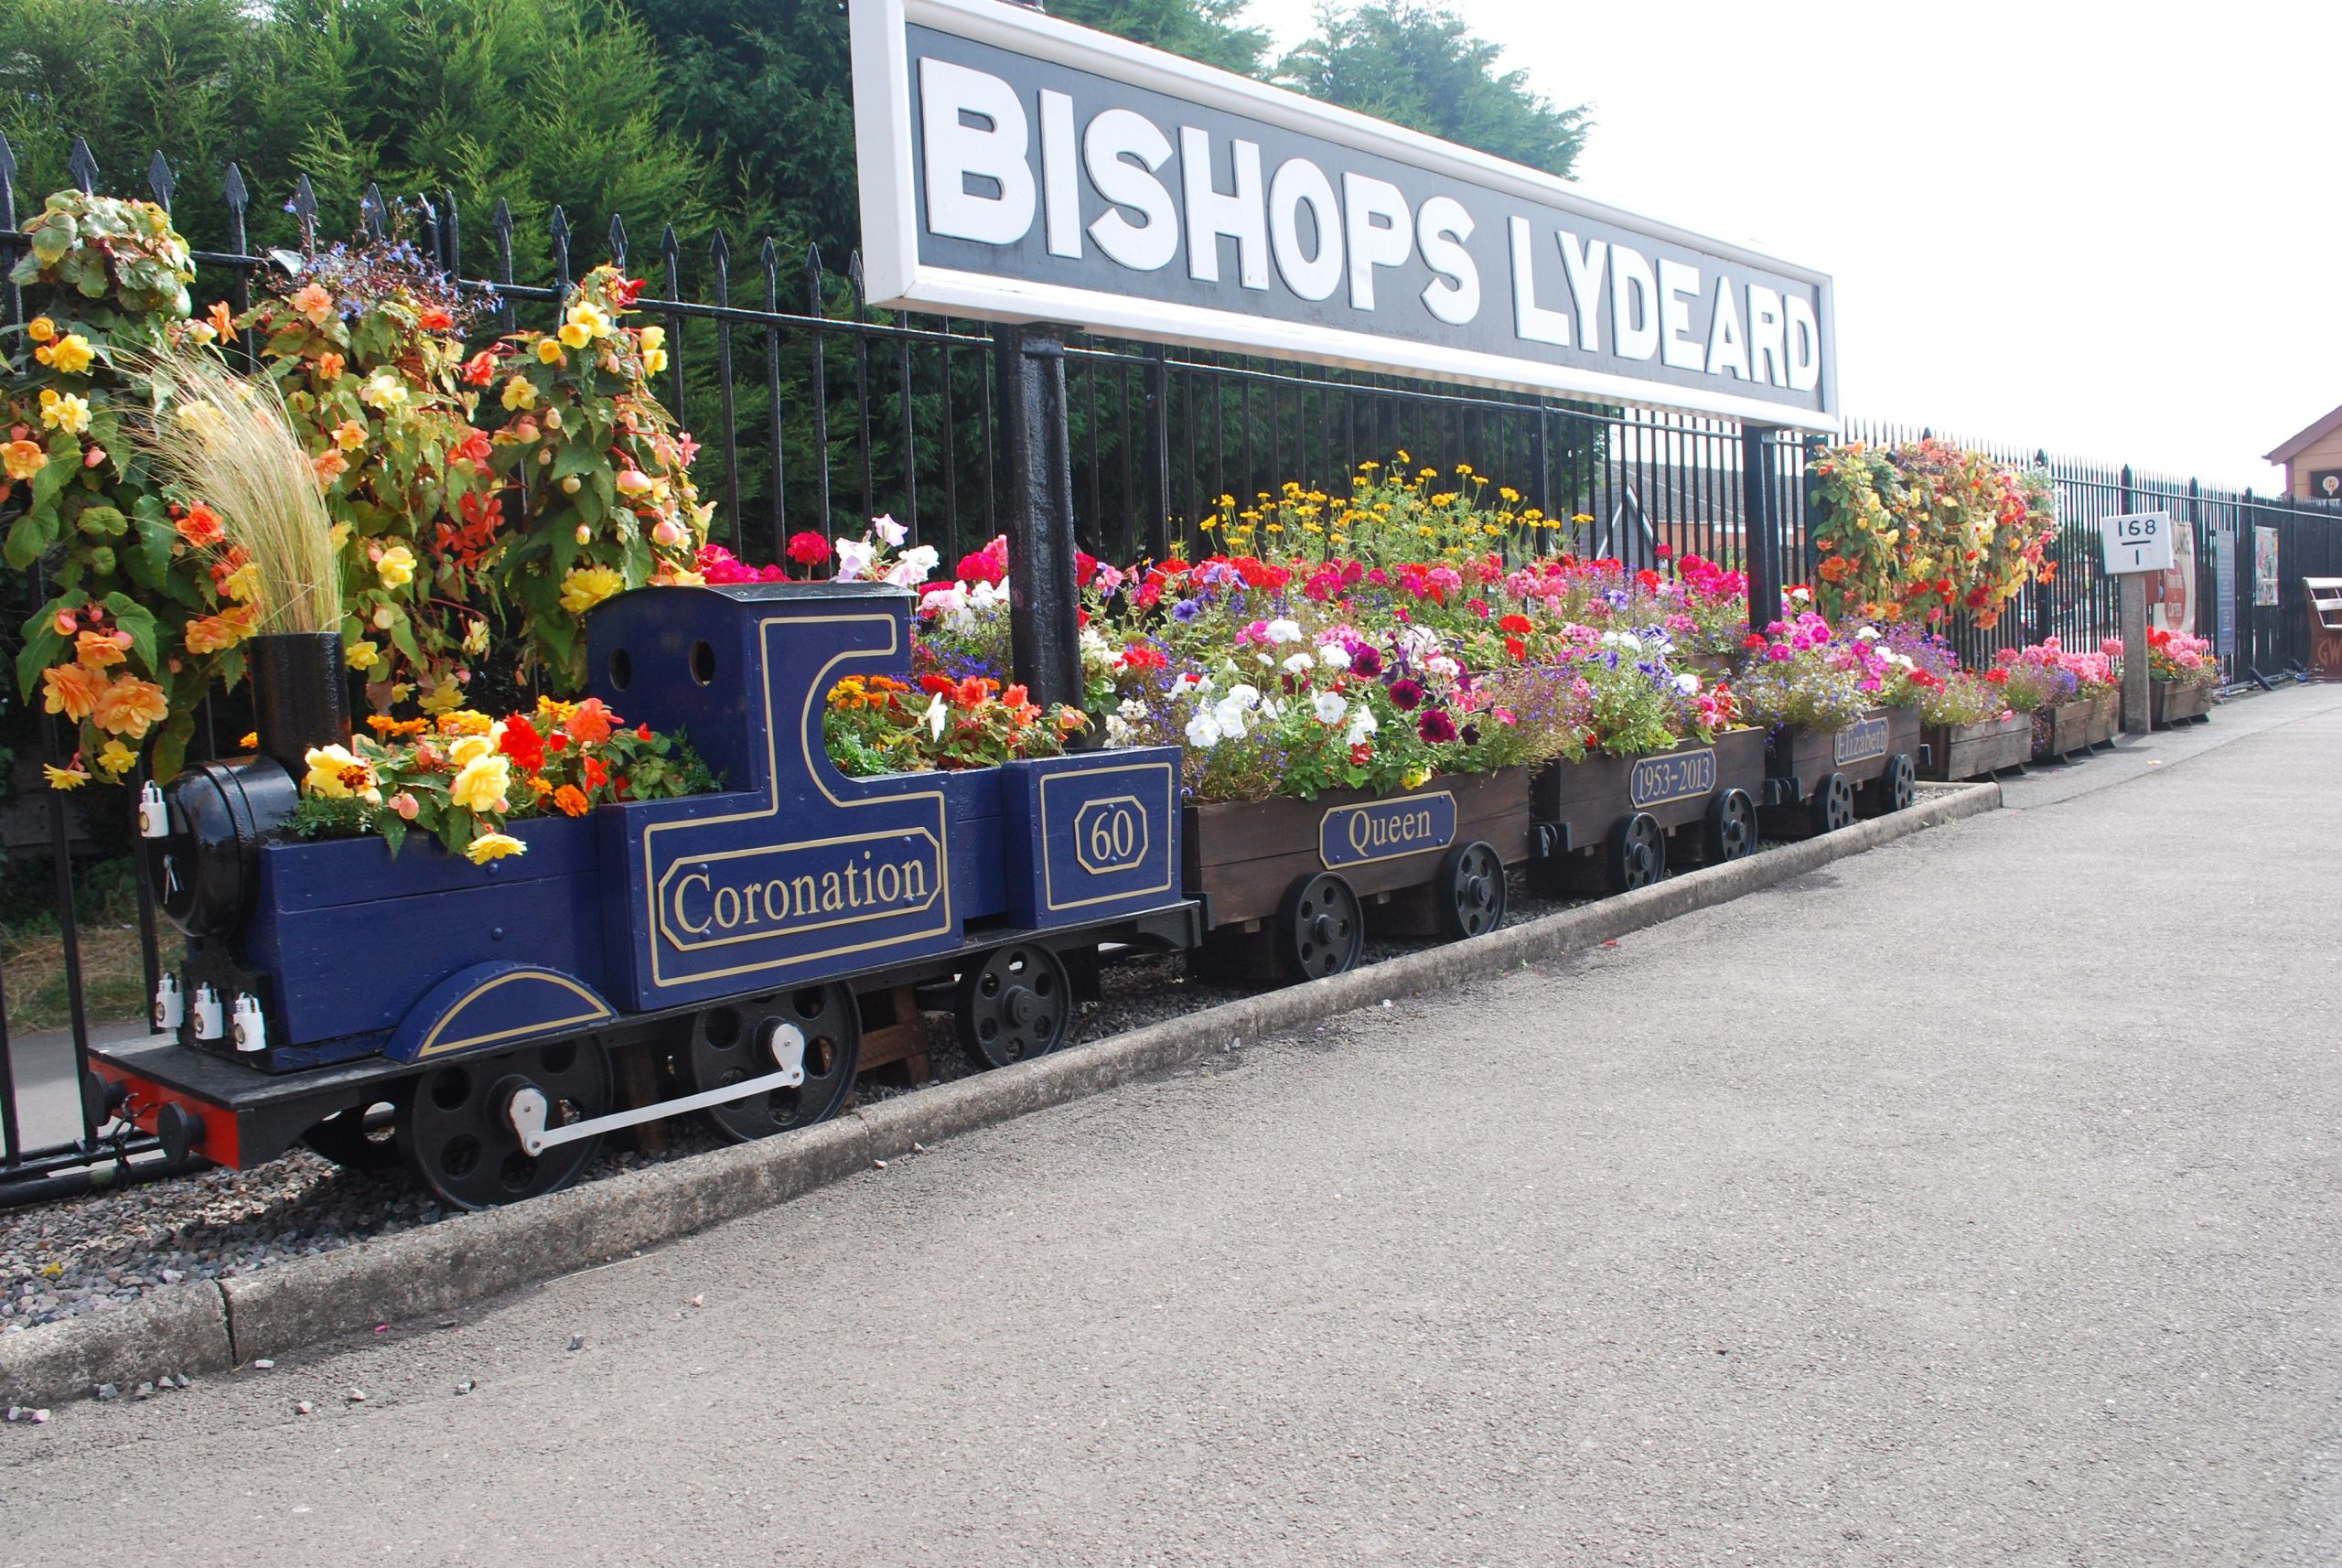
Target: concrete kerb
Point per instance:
(203, 1326)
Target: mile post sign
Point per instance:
(1017, 169)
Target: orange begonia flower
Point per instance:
(96, 650)
(23, 459)
(72, 691)
(571, 800)
(131, 707)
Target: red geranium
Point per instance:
(808, 549)
(523, 745)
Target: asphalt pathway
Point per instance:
(1971, 1202)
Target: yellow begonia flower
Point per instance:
(476, 637)
(40, 329)
(586, 586)
(466, 721)
(652, 338)
(350, 436)
(493, 846)
(480, 785)
(333, 769)
(117, 758)
(397, 568)
(592, 317)
(65, 778)
(241, 583)
(384, 391)
(549, 352)
(519, 393)
(470, 748)
(72, 354)
(574, 335)
(69, 413)
(654, 362)
(362, 655)
(441, 698)
(23, 459)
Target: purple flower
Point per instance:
(1365, 660)
(1186, 610)
(1406, 694)
(1435, 726)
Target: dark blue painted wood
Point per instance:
(1090, 836)
(490, 1006)
(799, 874)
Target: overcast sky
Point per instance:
(2115, 231)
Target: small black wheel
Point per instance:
(1321, 929)
(733, 1042)
(362, 1138)
(1470, 890)
(1832, 804)
(1730, 833)
(458, 1135)
(1013, 1005)
(1638, 853)
(1892, 790)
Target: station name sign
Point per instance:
(1018, 167)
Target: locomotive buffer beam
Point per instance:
(528, 1108)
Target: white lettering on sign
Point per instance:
(1018, 167)
(2136, 542)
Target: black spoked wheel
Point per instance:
(1731, 830)
(1638, 853)
(362, 1138)
(1471, 891)
(1014, 1005)
(1831, 806)
(1321, 929)
(1892, 790)
(736, 1041)
(458, 1135)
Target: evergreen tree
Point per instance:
(1415, 64)
(1209, 31)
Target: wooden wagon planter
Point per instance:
(1954, 752)
(1817, 780)
(1612, 823)
(2169, 703)
(1286, 882)
(2078, 725)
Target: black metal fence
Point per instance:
(818, 413)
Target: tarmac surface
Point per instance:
(1968, 1202)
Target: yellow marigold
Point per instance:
(586, 586)
(396, 567)
(493, 846)
(65, 778)
(117, 758)
(363, 654)
(72, 354)
(480, 784)
(72, 691)
(23, 459)
(40, 329)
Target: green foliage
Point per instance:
(1415, 64)
(1210, 31)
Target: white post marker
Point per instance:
(2137, 543)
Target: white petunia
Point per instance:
(1299, 664)
(1867, 634)
(1687, 683)
(1283, 631)
(1333, 656)
(1249, 696)
(1229, 717)
(888, 529)
(1330, 707)
(1444, 667)
(938, 713)
(1362, 723)
(1131, 709)
(854, 560)
(1203, 731)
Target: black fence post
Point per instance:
(1158, 461)
(1029, 362)
(2246, 585)
(1761, 539)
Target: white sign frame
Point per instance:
(2136, 543)
(896, 276)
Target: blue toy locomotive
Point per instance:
(726, 940)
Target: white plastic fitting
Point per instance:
(209, 1023)
(170, 1004)
(251, 1029)
(153, 816)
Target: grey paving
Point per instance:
(1970, 1201)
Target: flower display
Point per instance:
(2174, 657)
(1921, 530)
(2046, 674)
(1799, 670)
(875, 725)
(463, 778)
